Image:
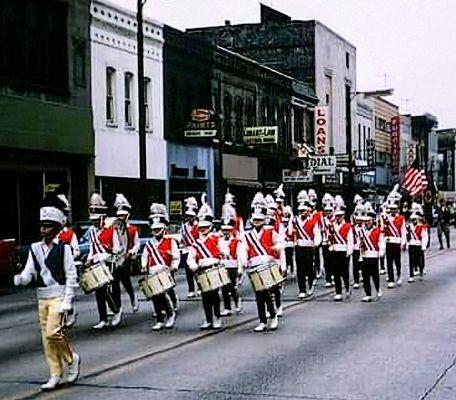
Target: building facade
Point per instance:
(115, 106)
(46, 127)
(364, 143)
(446, 157)
(305, 50)
(408, 144)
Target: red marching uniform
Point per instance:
(68, 236)
(372, 248)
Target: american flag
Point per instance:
(415, 181)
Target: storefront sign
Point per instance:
(202, 124)
(395, 128)
(370, 148)
(321, 129)
(322, 165)
(175, 207)
(261, 135)
(303, 176)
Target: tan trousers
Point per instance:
(55, 343)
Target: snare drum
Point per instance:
(265, 277)
(95, 277)
(158, 283)
(212, 278)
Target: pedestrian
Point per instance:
(417, 238)
(161, 253)
(372, 247)
(443, 223)
(341, 240)
(50, 264)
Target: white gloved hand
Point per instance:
(17, 280)
(66, 305)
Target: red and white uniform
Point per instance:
(418, 235)
(394, 229)
(68, 236)
(305, 231)
(357, 229)
(343, 237)
(133, 239)
(188, 232)
(204, 252)
(233, 251)
(103, 243)
(160, 253)
(263, 246)
(374, 242)
(327, 221)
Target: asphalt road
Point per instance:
(399, 348)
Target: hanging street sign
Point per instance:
(322, 165)
(202, 124)
(261, 135)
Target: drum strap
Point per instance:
(155, 253)
(98, 247)
(301, 230)
(255, 243)
(187, 234)
(201, 246)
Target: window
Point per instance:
(128, 98)
(359, 141)
(239, 109)
(147, 95)
(364, 143)
(110, 95)
(347, 60)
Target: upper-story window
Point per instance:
(147, 96)
(347, 60)
(128, 99)
(110, 95)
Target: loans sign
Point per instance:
(321, 129)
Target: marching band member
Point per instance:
(328, 219)
(161, 252)
(205, 253)
(417, 239)
(395, 236)
(341, 239)
(372, 246)
(318, 215)
(357, 224)
(280, 201)
(50, 265)
(130, 248)
(234, 258)
(263, 246)
(306, 233)
(289, 250)
(189, 233)
(229, 202)
(104, 245)
(382, 215)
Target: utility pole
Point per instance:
(141, 109)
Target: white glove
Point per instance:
(66, 305)
(17, 280)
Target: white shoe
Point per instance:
(116, 319)
(280, 312)
(356, 286)
(217, 323)
(399, 281)
(391, 285)
(135, 304)
(311, 291)
(366, 299)
(225, 313)
(379, 294)
(274, 323)
(205, 325)
(100, 325)
(73, 369)
(52, 383)
(261, 327)
(337, 297)
(170, 323)
(382, 271)
(302, 295)
(158, 326)
(191, 295)
(328, 284)
(411, 280)
(348, 294)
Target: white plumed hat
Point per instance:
(52, 214)
(97, 206)
(205, 213)
(122, 204)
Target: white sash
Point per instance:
(252, 238)
(155, 253)
(204, 251)
(393, 229)
(301, 230)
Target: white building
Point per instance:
(115, 104)
(363, 141)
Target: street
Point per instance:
(397, 348)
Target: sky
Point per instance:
(408, 45)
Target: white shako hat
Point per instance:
(229, 198)
(303, 201)
(158, 217)
(312, 195)
(228, 217)
(122, 204)
(417, 211)
(191, 205)
(394, 197)
(64, 203)
(97, 207)
(358, 199)
(328, 202)
(205, 213)
(360, 211)
(258, 207)
(271, 204)
(52, 214)
(279, 194)
(369, 210)
(339, 205)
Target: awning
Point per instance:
(244, 182)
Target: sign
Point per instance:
(175, 207)
(411, 154)
(370, 149)
(395, 129)
(322, 165)
(302, 176)
(321, 128)
(202, 124)
(261, 135)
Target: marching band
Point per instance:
(318, 241)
